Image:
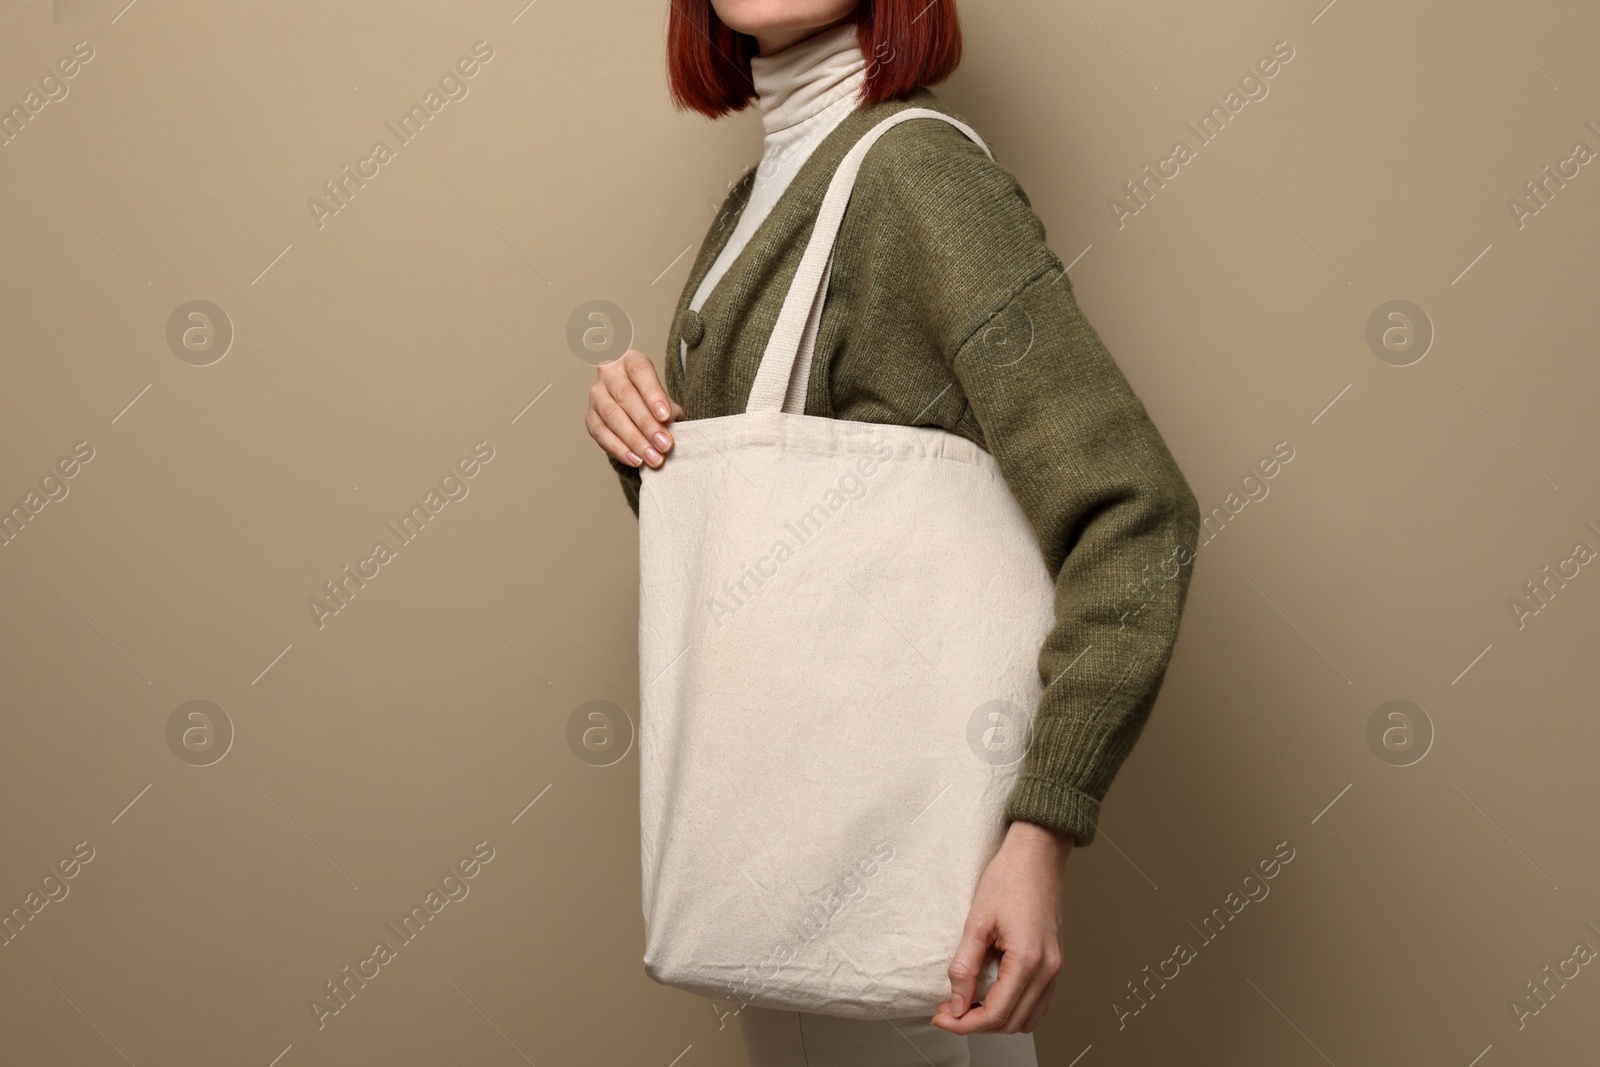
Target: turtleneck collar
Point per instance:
(797, 82)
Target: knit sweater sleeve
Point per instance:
(1116, 520)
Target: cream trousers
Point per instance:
(802, 1039)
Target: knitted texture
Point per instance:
(946, 308)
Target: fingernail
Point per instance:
(653, 456)
(635, 460)
(661, 410)
(663, 440)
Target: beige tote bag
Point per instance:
(839, 625)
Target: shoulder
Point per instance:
(937, 199)
(926, 164)
(927, 142)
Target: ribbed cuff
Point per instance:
(1039, 799)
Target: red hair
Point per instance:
(907, 44)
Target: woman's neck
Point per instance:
(797, 82)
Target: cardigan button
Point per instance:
(693, 328)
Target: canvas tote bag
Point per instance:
(839, 625)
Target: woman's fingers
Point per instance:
(629, 411)
(1018, 999)
(966, 963)
(1036, 983)
(1040, 957)
(619, 405)
(612, 416)
(610, 441)
(625, 391)
(642, 373)
(1039, 1008)
(1017, 969)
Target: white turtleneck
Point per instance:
(804, 91)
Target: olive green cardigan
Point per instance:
(946, 308)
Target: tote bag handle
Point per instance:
(785, 371)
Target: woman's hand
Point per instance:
(629, 411)
(1017, 908)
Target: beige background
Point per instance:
(369, 355)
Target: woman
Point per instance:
(944, 308)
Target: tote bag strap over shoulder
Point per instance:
(785, 370)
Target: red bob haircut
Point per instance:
(907, 44)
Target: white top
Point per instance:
(804, 91)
